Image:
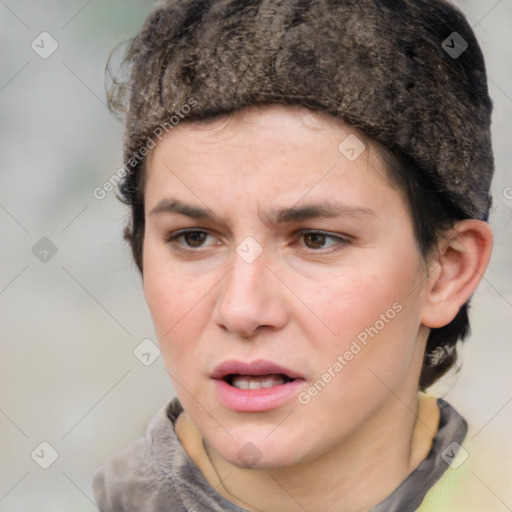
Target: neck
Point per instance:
(353, 477)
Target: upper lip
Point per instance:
(257, 367)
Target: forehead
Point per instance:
(275, 153)
(270, 116)
(276, 128)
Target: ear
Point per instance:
(463, 256)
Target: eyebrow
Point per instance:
(275, 216)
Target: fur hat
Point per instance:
(407, 73)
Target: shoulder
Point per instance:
(140, 477)
(155, 474)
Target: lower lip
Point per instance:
(256, 400)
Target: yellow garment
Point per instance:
(460, 490)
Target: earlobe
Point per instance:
(463, 258)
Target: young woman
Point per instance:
(309, 189)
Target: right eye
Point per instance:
(193, 238)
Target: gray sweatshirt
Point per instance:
(155, 474)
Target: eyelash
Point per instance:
(172, 237)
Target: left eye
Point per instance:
(316, 239)
(194, 238)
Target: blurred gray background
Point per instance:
(71, 305)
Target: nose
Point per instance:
(251, 298)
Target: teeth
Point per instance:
(257, 382)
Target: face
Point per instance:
(284, 283)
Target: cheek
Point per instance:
(370, 353)
(349, 303)
(178, 313)
(171, 301)
(177, 306)
(371, 316)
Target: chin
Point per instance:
(258, 452)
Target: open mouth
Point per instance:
(256, 381)
(255, 386)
